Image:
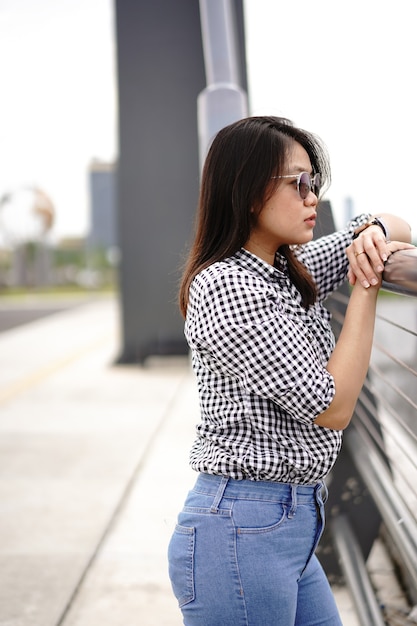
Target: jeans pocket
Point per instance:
(181, 563)
(251, 516)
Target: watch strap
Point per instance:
(376, 221)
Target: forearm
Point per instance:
(350, 359)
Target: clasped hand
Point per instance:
(367, 255)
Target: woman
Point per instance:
(275, 391)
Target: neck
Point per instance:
(266, 254)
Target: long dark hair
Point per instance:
(237, 178)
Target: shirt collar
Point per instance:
(253, 263)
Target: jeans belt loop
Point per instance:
(293, 508)
(219, 495)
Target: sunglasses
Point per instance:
(305, 183)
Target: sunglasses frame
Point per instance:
(314, 182)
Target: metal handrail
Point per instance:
(377, 423)
(400, 273)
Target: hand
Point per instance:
(367, 255)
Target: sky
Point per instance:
(347, 72)
(58, 101)
(344, 71)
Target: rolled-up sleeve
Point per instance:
(326, 257)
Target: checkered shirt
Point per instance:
(260, 361)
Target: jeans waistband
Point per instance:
(259, 490)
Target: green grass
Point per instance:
(65, 291)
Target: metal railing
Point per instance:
(381, 446)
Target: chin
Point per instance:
(305, 239)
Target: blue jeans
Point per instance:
(242, 554)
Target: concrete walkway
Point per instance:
(93, 470)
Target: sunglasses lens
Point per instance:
(304, 185)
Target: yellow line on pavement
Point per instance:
(34, 378)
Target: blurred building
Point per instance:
(102, 185)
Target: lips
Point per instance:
(311, 219)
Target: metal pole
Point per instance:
(355, 572)
(397, 517)
(223, 100)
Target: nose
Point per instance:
(311, 199)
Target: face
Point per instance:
(285, 217)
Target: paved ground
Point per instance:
(93, 469)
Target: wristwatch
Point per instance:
(376, 221)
